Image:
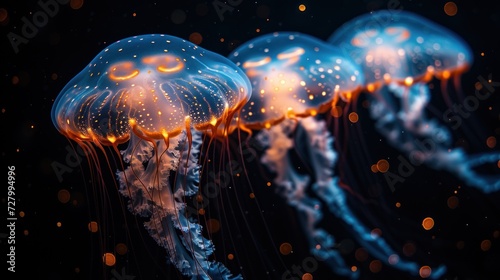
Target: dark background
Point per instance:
(32, 77)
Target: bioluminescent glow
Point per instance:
(295, 77)
(399, 53)
(156, 94)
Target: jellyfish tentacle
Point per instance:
(326, 186)
(292, 186)
(413, 117)
(398, 60)
(408, 130)
(424, 140)
(150, 91)
(146, 183)
(462, 165)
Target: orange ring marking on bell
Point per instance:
(286, 55)
(251, 64)
(165, 69)
(125, 66)
(162, 60)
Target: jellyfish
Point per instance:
(154, 95)
(295, 78)
(399, 53)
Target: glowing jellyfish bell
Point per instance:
(403, 48)
(399, 52)
(295, 77)
(287, 87)
(157, 94)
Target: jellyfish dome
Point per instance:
(402, 47)
(152, 84)
(295, 77)
(156, 93)
(292, 77)
(400, 53)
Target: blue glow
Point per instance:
(294, 77)
(391, 45)
(156, 80)
(399, 53)
(157, 93)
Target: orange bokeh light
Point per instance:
(428, 223)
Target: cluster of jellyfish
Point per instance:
(159, 96)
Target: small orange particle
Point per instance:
(307, 276)
(375, 266)
(428, 223)
(383, 165)
(285, 248)
(63, 196)
(109, 259)
(491, 142)
(93, 226)
(76, 4)
(195, 38)
(485, 245)
(3, 15)
(425, 271)
(450, 8)
(353, 117)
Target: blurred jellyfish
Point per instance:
(156, 94)
(399, 53)
(294, 78)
